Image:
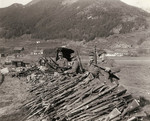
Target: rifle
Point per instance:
(80, 63)
(95, 56)
(53, 61)
(51, 66)
(111, 75)
(57, 66)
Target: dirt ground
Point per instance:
(134, 75)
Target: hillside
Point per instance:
(71, 19)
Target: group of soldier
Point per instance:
(103, 72)
(72, 67)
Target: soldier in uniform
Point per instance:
(1, 78)
(93, 71)
(43, 61)
(92, 67)
(74, 66)
(62, 62)
(109, 68)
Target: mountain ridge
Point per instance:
(78, 20)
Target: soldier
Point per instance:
(1, 78)
(74, 65)
(62, 62)
(109, 67)
(92, 67)
(93, 71)
(43, 61)
(3, 72)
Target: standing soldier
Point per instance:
(109, 66)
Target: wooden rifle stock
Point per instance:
(95, 55)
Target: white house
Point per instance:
(37, 52)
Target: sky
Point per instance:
(145, 4)
(5, 3)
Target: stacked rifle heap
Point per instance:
(35, 74)
(73, 99)
(26, 71)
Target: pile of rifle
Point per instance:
(72, 99)
(33, 74)
(27, 71)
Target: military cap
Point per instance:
(91, 54)
(100, 52)
(60, 53)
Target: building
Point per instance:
(9, 59)
(110, 53)
(18, 49)
(26, 63)
(2, 55)
(37, 52)
(121, 52)
(20, 63)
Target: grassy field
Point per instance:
(12, 94)
(135, 75)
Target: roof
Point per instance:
(18, 48)
(24, 60)
(17, 60)
(27, 61)
(37, 50)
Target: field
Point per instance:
(134, 75)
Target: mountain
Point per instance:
(71, 19)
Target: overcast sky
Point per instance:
(5, 3)
(145, 4)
